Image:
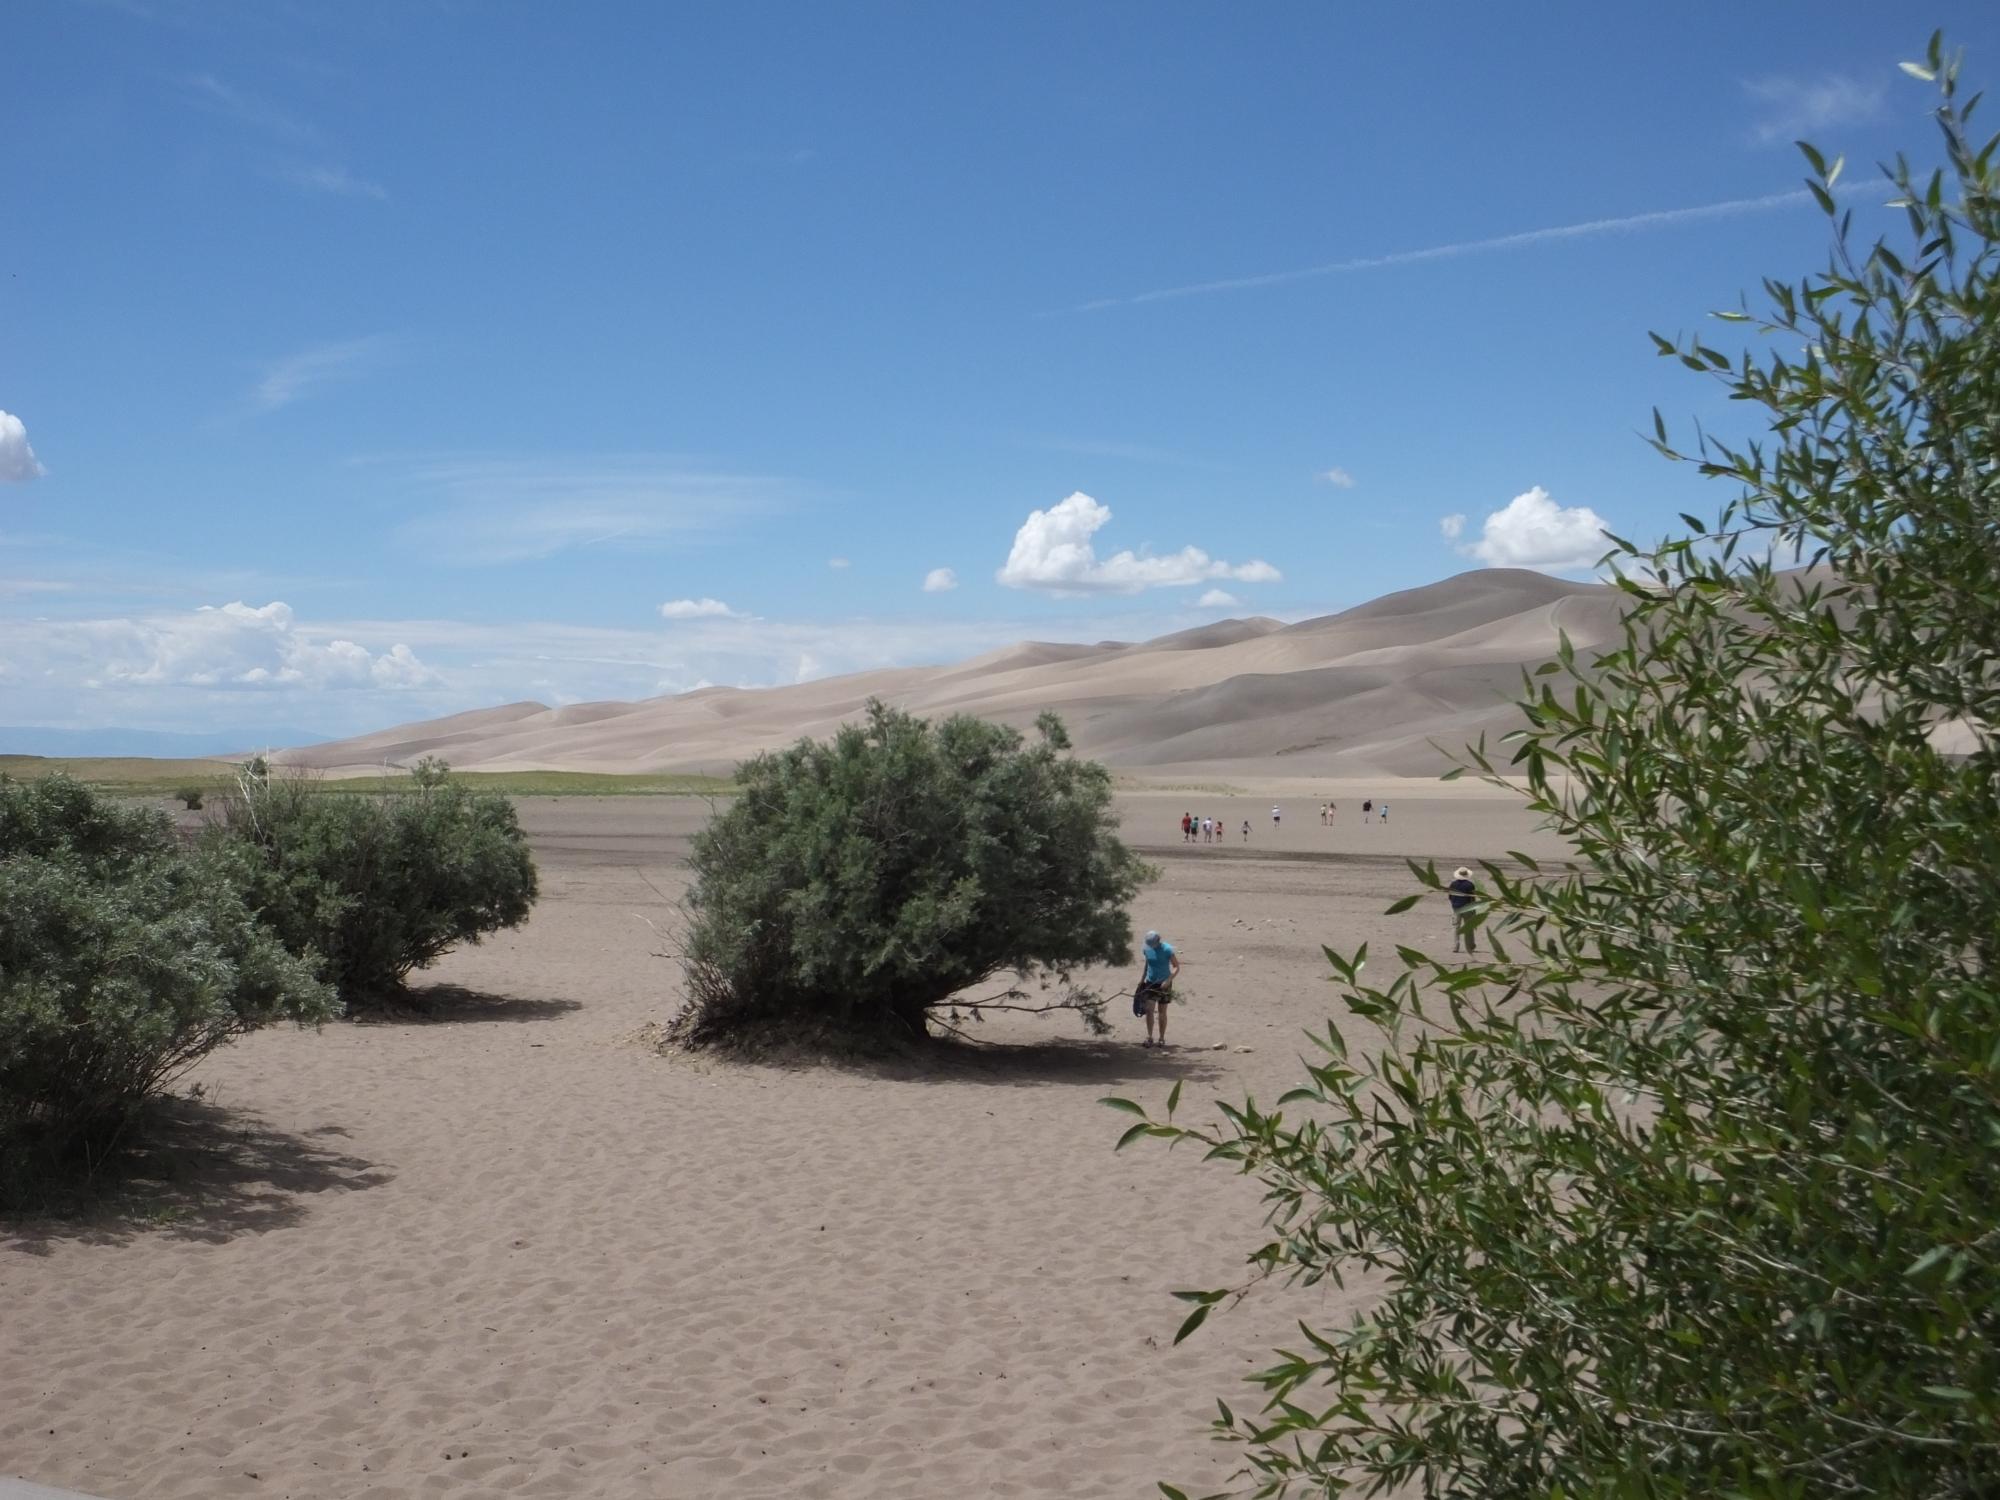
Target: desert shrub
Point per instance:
(854, 886)
(191, 797)
(123, 959)
(379, 886)
(1690, 1187)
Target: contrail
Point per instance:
(1630, 223)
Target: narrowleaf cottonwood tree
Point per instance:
(1692, 1188)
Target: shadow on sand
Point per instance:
(196, 1171)
(438, 1004)
(1090, 1063)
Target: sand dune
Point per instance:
(1363, 692)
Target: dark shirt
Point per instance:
(1461, 894)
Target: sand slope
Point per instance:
(1362, 692)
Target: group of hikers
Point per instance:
(1208, 830)
(1197, 829)
(1160, 965)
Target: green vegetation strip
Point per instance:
(140, 777)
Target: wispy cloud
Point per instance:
(1336, 476)
(210, 93)
(337, 181)
(286, 380)
(1520, 240)
(487, 510)
(279, 127)
(1143, 453)
(1795, 107)
(940, 581)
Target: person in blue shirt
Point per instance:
(1156, 983)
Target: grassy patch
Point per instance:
(554, 784)
(134, 776)
(131, 776)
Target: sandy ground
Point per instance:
(506, 1251)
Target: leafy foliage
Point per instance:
(190, 797)
(854, 886)
(123, 959)
(378, 886)
(1691, 1187)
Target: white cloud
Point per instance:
(335, 180)
(1338, 477)
(697, 609)
(1660, 218)
(18, 463)
(1795, 107)
(1532, 531)
(837, 563)
(940, 581)
(478, 510)
(296, 375)
(1218, 599)
(229, 646)
(258, 115)
(1452, 526)
(1053, 552)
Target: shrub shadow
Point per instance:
(439, 1004)
(1092, 1062)
(1083, 1062)
(195, 1171)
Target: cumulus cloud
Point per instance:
(1794, 107)
(940, 581)
(697, 609)
(1218, 599)
(1338, 477)
(238, 645)
(18, 463)
(1053, 552)
(837, 563)
(1453, 526)
(1532, 531)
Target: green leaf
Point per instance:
(1918, 71)
(1126, 1105)
(1174, 1097)
(1194, 1320)
(1132, 1135)
(1399, 907)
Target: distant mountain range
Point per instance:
(1362, 692)
(32, 740)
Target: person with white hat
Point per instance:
(1464, 910)
(1156, 984)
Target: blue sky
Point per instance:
(368, 362)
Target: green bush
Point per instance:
(123, 959)
(191, 797)
(378, 886)
(1691, 1187)
(853, 887)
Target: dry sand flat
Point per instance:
(507, 1252)
(1362, 693)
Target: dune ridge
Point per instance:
(1367, 691)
